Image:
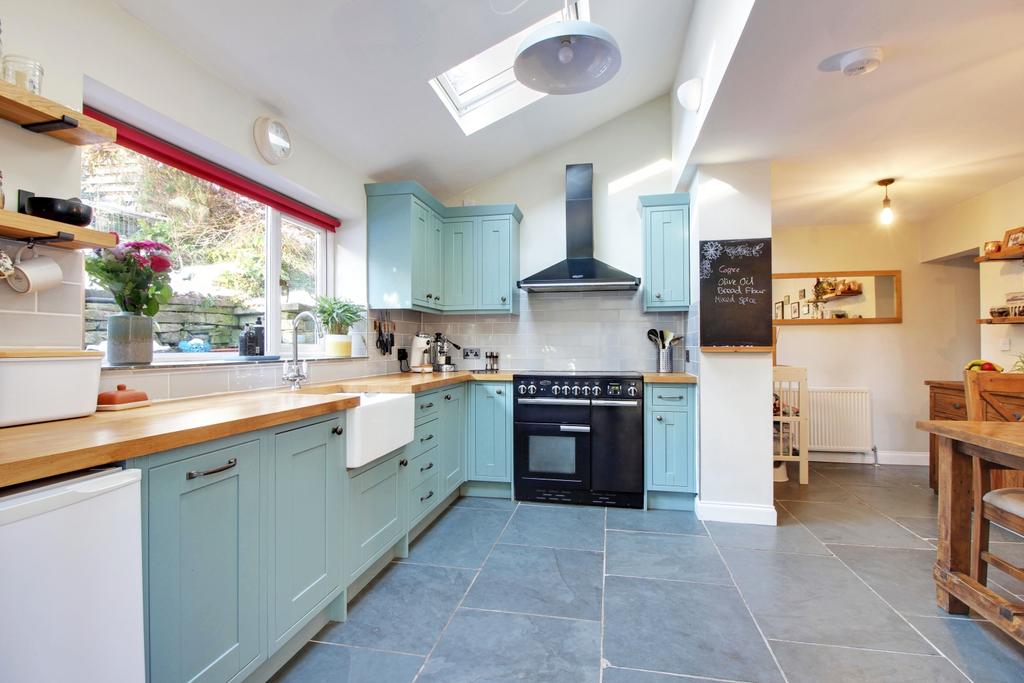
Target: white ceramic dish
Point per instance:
(40, 389)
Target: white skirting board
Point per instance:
(884, 457)
(738, 513)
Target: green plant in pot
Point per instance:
(138, 275)
(337, 316)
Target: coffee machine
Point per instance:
(421, 353)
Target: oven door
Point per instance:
(552, 456)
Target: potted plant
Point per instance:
(337, 316)
(138, 275)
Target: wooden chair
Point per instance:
(792, 429)
(990, 397)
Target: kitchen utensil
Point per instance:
(71, 211)
(34, 275)
(668, 338)
(122, 398)
(661, 337)
(652, 334)
(23, 72)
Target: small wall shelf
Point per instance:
(1008, 320)
(1001, 256)
(40, 115)
(19, 226)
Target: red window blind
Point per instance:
(142, 142)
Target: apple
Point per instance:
(988, 367)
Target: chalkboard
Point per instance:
(736, 292)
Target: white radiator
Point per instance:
(841, 419)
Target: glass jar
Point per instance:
(23, 72)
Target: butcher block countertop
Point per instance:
(406, 382)
(669, 378)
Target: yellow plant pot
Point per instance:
(338, 345)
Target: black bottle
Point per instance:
(259, 338)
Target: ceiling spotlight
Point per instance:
(886, 217)
(689, 94)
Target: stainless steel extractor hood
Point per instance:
(580, 271)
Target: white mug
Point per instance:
(34, 275)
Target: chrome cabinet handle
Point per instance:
(195, 474)
(670, 398)
(424, 406)
(428, 437)
(337, 431)
(429, 466)
(659, 418)
(403, 462)
(427, 497)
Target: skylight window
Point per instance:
(483, 89)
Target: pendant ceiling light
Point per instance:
(567, 57)
(886, 217)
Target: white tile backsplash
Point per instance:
(50, 318)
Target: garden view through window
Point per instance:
(219, 241)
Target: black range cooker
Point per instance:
(579, 438)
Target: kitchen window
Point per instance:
(232, 255)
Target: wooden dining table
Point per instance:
(1001, 443)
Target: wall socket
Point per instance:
(470, 353)
(1005, 344)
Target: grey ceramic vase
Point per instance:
(129, 339)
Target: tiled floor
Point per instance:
(840, 591)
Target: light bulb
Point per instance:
(887, 216)
(565, 53)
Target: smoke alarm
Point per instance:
(862, 60)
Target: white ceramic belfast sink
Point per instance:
(381, 423)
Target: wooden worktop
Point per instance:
(955, 385)
(1005, 437)
(407, 382)
(669, 378)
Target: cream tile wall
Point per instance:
(564, 331)
(49, 318)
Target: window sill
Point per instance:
(206, 361)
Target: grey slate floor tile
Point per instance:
(789, 536)
(980, 649)
(318, 663)
(687, 628)
(573, 527)
(660, 521)
(459, 538)
(664, 556)
(481, 502)
(496, 646)
(813, 599)
(535, 580)
(404, 610)
(905, 501)
(616, 675)
(869, 475)
(852, 523)
(828, 664)
(928, 528)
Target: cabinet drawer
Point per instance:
(670, 396)
(424, 466)
(949, 404)
(1011, 403)
(427, 405)
(424, 497)
(425, 437)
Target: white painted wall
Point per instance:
(94, 39)
(733, 201)
(937, 336)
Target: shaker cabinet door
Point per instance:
(495, 263)
(490, 455)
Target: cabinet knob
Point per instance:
(499, 392)
(337, 431)
(447, 397)
(657, 295)
(504, 299)
(430, 296)
(659, 418)
(436, 299)
(403, 462)
(958, 406)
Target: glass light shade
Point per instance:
(540, 62)
(887, 216)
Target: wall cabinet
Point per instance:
(426, 256)
(666, 229)
(669, 438)
(453, 438)
(490, 432)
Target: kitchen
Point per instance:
(427, 388)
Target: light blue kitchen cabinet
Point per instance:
(453, 438)
(666, 278)
(375, 519)
(428, 257)
(459, 265)
(423, 477)
(305, 564)
(490, 432)
(203, 565)
(669, 438)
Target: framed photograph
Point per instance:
(1014, 238)
(803, 295)
(786, 299)
(805, 310)
(780, 310)
(794, 310)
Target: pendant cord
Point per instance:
(508, 12)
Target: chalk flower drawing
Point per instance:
(711, 251)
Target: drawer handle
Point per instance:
(428, 437)
(424, 406)
(659, 418)
(337, 431)
(195, 474)
(427, 497)
(958, 406)
(403, 462)
(670, 398)
(499, 392)
(426, 467)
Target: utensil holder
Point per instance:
(665, 360)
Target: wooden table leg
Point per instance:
(954, 554)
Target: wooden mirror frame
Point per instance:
(897, 288)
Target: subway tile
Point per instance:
(40, 329)
(65, 298)
(208, 381)
(155, 384)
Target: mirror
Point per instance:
(846, 297)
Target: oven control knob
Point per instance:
(522, 389)
(556, 390)
(586, 391)
(576, 391)
(631, 392)
(565, 389)
(597, 392)
(531, 390)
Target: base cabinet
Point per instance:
(204, 567)
(453, 439)
(375, 519)
(669, 438)
(490, 432)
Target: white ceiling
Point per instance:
(944, 114)
(353, 74)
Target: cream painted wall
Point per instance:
(937, 336)
(637, 141)
(733, 201)
(964, 227)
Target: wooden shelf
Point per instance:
(736, 349)
(1009, 320)
(19, 106)
(20, 226)
(1001, 256)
